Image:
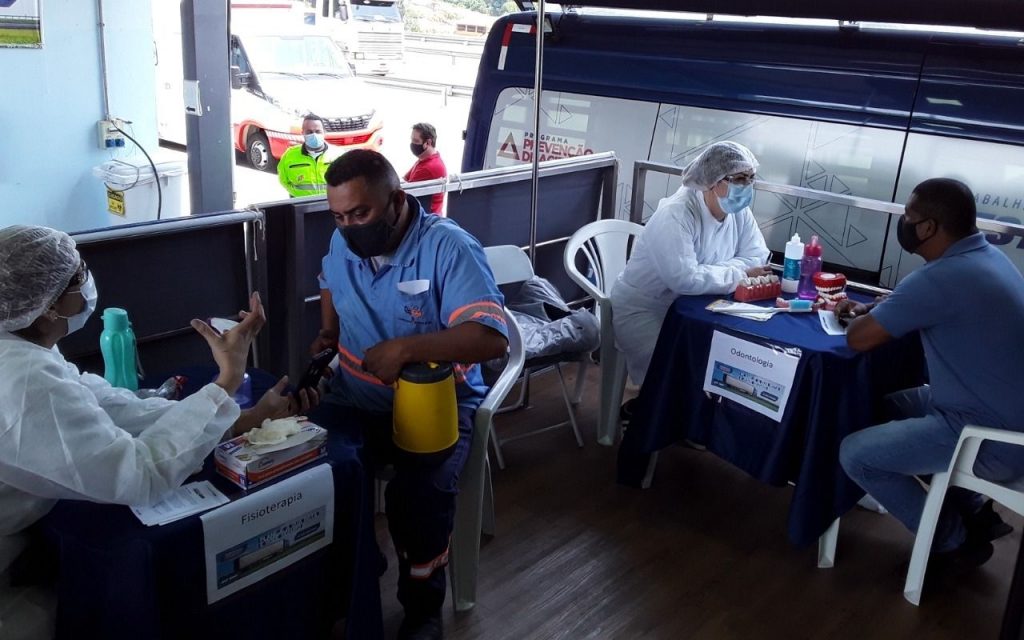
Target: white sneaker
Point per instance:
(870, 504)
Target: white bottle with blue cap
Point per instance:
(791, 264)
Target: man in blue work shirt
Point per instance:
(967, 302)
(402, 286)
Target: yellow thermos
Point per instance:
(425, 414)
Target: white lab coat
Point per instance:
(683, 250)
(65, 434)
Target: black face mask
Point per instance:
(371, 239)
(416, 149)
(906, 235)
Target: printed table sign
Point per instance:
(757, 376)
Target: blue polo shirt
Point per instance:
(437, 278)
(969, 307)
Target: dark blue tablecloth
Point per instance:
(836, 391)
(121, 579)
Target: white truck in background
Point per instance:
(370, 32)
(281, 69)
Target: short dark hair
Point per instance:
(367, 164)
(950, 202)
(312, 116)
(427, 131)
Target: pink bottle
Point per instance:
(809, 265)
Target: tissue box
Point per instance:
(248, 466)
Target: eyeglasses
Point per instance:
(741, 179)
(80, 276)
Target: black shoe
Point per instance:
(945, 569)
(626, 411)
(960, 561)
(421, 628)
(986, 525)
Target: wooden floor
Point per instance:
(701, 554)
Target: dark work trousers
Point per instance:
(420, 499)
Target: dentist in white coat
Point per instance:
(703, 239)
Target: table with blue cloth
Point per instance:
(835, 392)
(118, 578)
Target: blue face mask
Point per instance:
(738, 198)
(314, 140)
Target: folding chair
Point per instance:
(510, 264)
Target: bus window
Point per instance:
(832, 157)
(995, 173)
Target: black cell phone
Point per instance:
(316, 366)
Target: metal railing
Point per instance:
(444, 88)
(523, 172)
(443, 52)
(461, 41)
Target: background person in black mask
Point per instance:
(401, 286)
(428, 166)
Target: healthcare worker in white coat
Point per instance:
(703, 239)
(67, 434)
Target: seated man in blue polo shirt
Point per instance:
(401, 286)
(967, 302)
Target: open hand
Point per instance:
(231, 348)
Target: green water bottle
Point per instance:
(117, 343)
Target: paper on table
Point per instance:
(830, 323)
(184, 501)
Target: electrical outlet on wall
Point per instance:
(109, 136)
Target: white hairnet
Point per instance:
(36, 265)
(717, 161)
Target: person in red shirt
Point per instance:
(429, 165)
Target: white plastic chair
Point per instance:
(474, 506)
(960, 474)
(605, 246)
(509, 264)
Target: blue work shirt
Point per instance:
(437, 278)
(969, 307)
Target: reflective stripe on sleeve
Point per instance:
(425, 570)
(354, 366)
(476, 310)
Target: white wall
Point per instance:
(53, 97)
